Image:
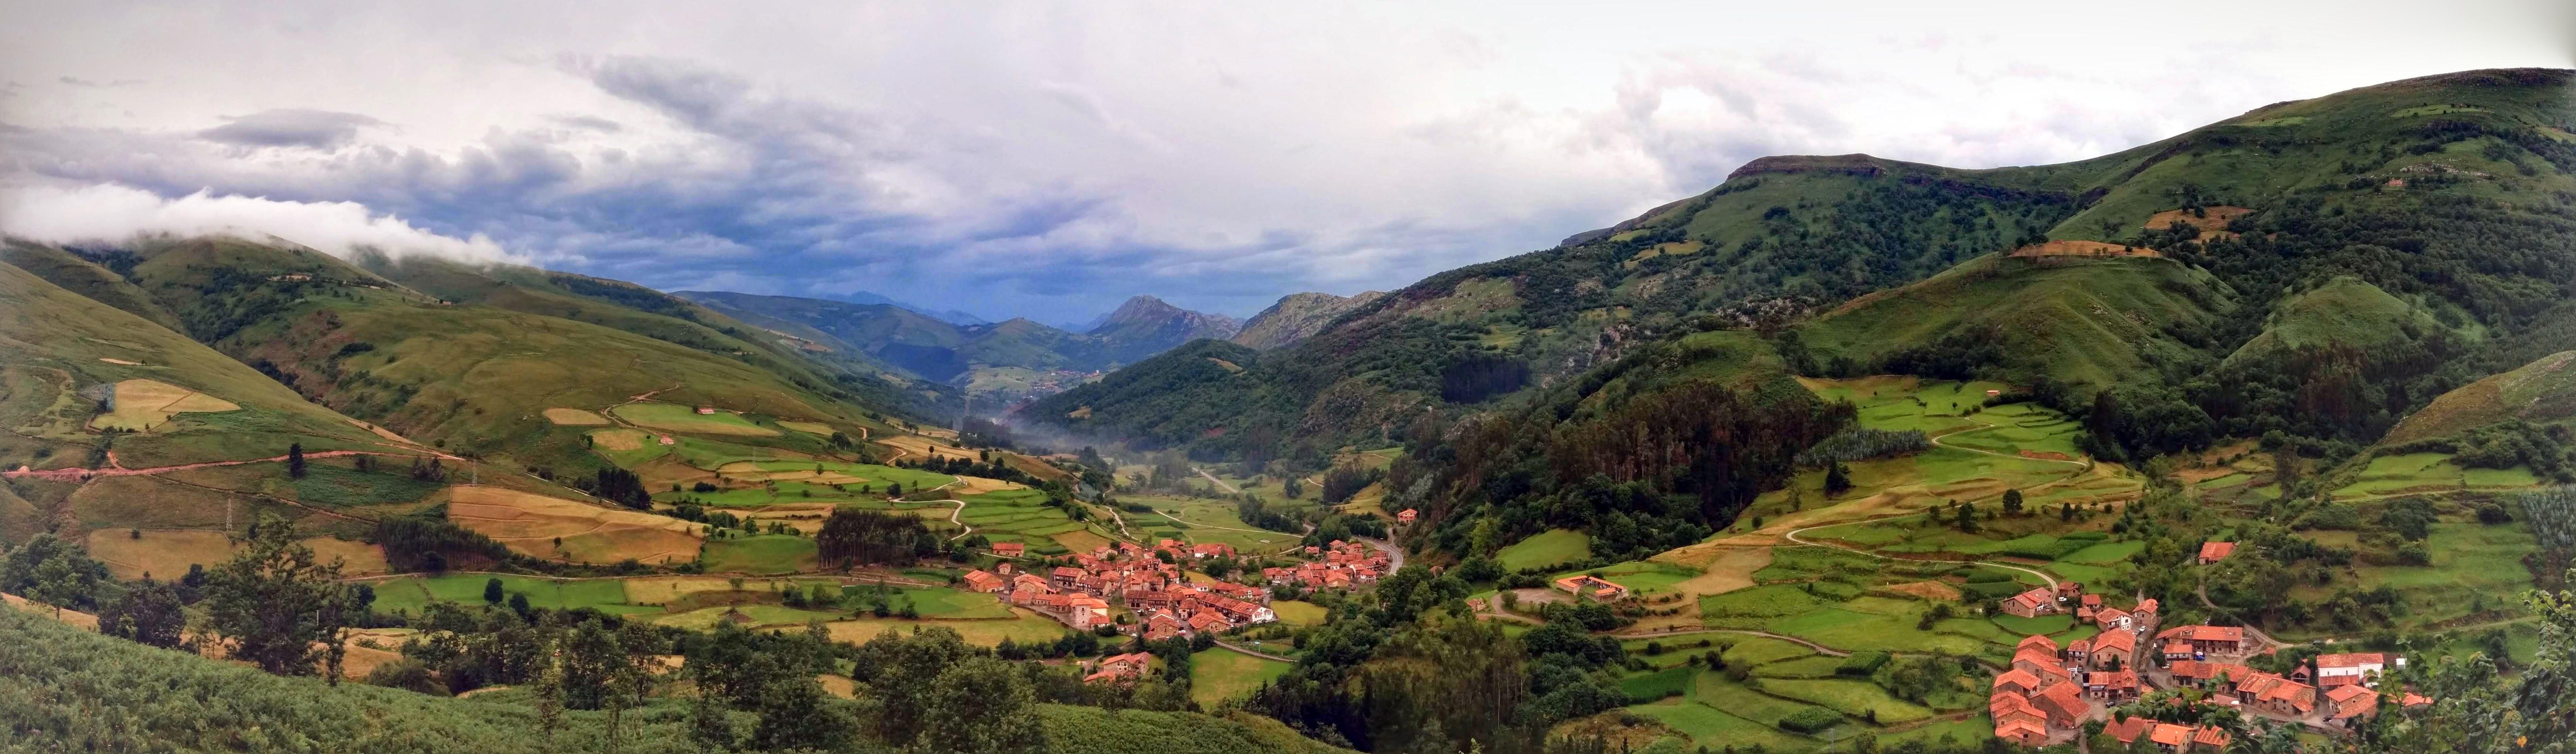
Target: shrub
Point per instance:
(1861, 663)
(1810, 720)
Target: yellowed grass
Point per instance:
(1023, 627)
(915, 446)
(532, 524)
(1722, 569)
(2084, 249)
(121, 361)
(144, 404)
(1081, 540)
(620, 439)
(1930, 590)
(574, 417)
(167, 553)
(73, 618)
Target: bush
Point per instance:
(1810, 720)
(1861, 663)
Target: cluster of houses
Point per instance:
(2170, 737)
(1126, 668)
(1338, 565)
(2040, 694)
(1166, 605)
(2343, 685)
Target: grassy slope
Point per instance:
(2542, 391)
(85, 278)
(2080, 321)
(472, 377)
(51, 342)
(2344, 311)
(65, 677)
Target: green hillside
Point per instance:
(87, 278)
(2080, 322)
(62, 354)
(2543, 391)
(2444, 192)
(2344, 312)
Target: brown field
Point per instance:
(811, 428)
(382, 432)
(1722, 569)
(2045, 455)
(144, 404)
(167, 553)
(838, 685)
(533, 524)
(2083, 249)
(1930, 590)
(1024, 626)
(664, 471)
(574, 417)
(2212, 226)
(806, 517)
(74, 618)
(975, 485)
(121, 362)
(620, 439)
(148, 502)
(924, 446)
(1038, 468)
(1081, 540)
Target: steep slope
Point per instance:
(87, 278)
(2543, 391)
(2444, 190)
(63, 354)
(471, 378)
(1145, 325)
(2087, 323)
(1298, 315)
(2344, 312)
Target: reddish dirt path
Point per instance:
(117, 469)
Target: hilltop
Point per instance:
(1298, 315)
(2396, 179)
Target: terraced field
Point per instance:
(1787, 682)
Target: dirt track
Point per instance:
(117, 469)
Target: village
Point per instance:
(2050, 691)
(1145, 592)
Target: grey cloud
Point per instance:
(101, 84)
(316, 129)
(592, 123)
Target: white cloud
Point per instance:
(107, 213)
(1027, 158)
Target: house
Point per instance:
(2039, 656)
(980, 581)
(1065, 577)
(2277, 695)
(2031, 604)
(2212, 552)
(2143, 614)
(2079, 653)
(2171, 737)
(666, 440)
(2350, 669)
(2111, 619)
(2024, 732)
(1010, 549)
(2127, 731)
(2195, 672)
(2350, 704)
(2210, 738)
(1211, 550)
(2004, 707)
(1405, 517)
(2112, 650)
(2206, 638)
(1126, 667)
(1163, 626)
(2063, 703)
(1588, 585)
(2113, 685)
(2017, 681)
(706, 409)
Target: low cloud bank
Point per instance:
(113, 214)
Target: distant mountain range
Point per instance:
(950, 316)
(1014, 358)
(1298, 315)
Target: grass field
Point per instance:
(756, 616)
(141, 405)
(1221, 674)
(1023, 627)
(574, 417)
(1850, 697)
(1296, 613)
(762, 555)
(549, 527)
(1545, 549)
(414, 593)
(679, 418)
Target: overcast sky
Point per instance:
(1048, 160)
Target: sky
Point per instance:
(1049, 160)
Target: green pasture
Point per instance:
(414, 593)
(1220, 675)
(762, 555)
(679, 418)
(1851, 697)
(1545, 549)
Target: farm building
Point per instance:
(1405, 517)
(706, 409)
(2114, 685)
(2212, 552)
(1010, 549)
(2032, 604)
(2206, 638)
(2349, 706)
(2350, 669)
(1591, 586)
(983, 582)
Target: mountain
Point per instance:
(1145, 325)
(950, 316)
(2441, 191)
(1011, 360)
(1296, 316)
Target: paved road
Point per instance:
(1220, 483)
(1394, 555)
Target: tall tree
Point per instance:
(981, 705)
(295, 460)
(273, 602)
(148, 612)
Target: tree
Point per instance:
(980, 705)
(2012, 502)
(273, 602)
(492, 591)
(549, 689)
(147, 613)
(794, 714)
(1967, 519)
(1292, 487)
(295, 460)
(709, 725)
(1837, 478)
(56, 572)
